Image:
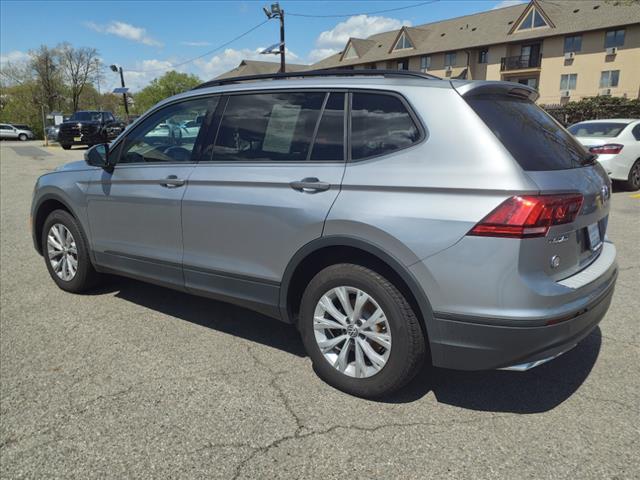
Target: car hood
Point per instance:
(74, 166)
(83, 122)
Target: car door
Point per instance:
(134, 211)
(8, 132)
(273, 171)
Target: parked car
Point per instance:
(617, 144)
(353, 205)
(22, 126)
(52, 133)
(89, 128)
(11, 132)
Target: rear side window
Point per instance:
(534, 139)
(268, 127)
(329, 142)
(380, 124)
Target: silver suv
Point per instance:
(393, 217)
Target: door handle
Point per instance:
(310, 185)
(172, 181)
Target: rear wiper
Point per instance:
(589, 159)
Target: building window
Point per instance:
(350, 53)
(371, 66)
(403, 42)
(533, 20)
(614, 38)
(449, 59)
(609, 79)
(482, 55)
(425, 63)
(568, 82)
(573, 44)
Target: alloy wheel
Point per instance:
(62, 252)
(352, 331)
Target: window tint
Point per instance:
(268, 127)
(636, 132)
(329, 143)
(534, 139)
(379, 124)
(165, 136)
(597, 129)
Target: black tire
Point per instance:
(633, 182)
(86, 276)
(66, 147)
(408, 347)
(22, 137)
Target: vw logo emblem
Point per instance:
(352, 331)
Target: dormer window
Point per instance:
(403, 42)
(350, 52)
(533, 19)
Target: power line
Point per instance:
(362, 13)
(219, 47)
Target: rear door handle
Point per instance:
(310, 185)
(172, 181)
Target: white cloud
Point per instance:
(230, 58)
(196, 44)
(359, 26)
(125, 30)
(507, 3)
(15, 56)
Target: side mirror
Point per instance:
(98, 156)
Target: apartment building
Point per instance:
(566, 49)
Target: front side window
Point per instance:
(449, 59)
(573, 44)
(380, 124)
(165, 136)
(268, 127)
(614, 38)
(609, 78)
(569, 81)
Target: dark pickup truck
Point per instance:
(89, 128)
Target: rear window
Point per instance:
(534, 139)
(380, 124)
(597, 129)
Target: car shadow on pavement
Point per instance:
(534, 391)
(537, 390)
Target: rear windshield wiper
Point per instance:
(589, 159)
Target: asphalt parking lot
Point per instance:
(140, 381)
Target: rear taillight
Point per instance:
(608, 149)
(526, 216)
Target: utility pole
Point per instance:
(114, 68)
(277, 12)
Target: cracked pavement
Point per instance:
(137, 381)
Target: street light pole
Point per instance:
(116, 69)
(282, 61)
(276, 12)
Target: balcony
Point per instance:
(520, 62)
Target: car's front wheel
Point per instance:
(22, 137)
(360, 332)
(66, 253)
(66, 147)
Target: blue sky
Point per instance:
(149, 37)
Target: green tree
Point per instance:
(171, 83)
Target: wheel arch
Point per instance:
(329, 250)
(47, 204)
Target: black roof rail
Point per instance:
(318, 73)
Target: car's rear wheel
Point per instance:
(23, 137)
(360, 332)
(633, 182)
(66, 147)
(66, 253)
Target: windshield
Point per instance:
(534, 138)
(87, 116)
(597, 129)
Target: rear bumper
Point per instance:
(464, 343)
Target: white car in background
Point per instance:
(617, 144)
(9, 132)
